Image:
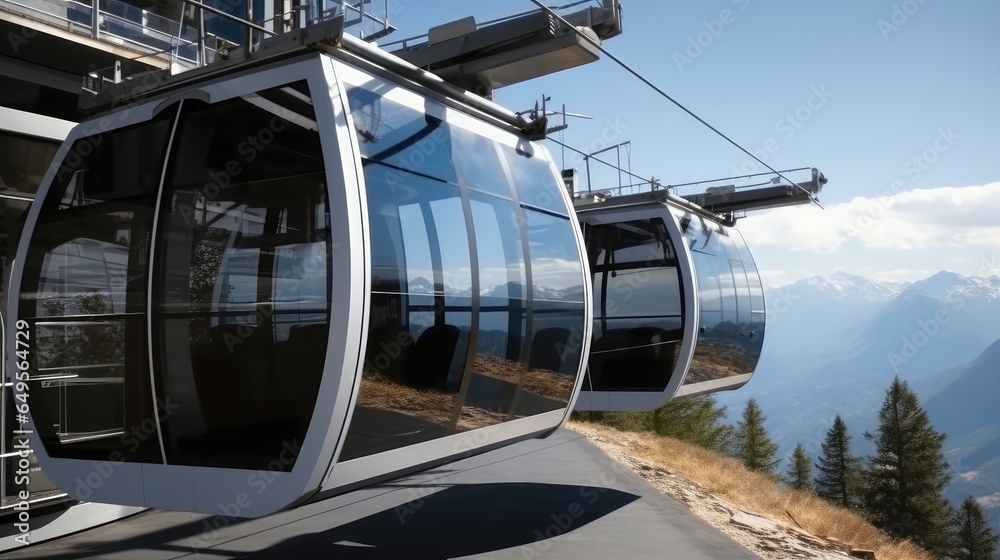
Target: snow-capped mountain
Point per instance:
(421, 285)
(949, 284)
(811, 312)
(843, 286)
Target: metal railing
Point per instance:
(187, 42)
(116, 22)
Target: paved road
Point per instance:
(560, 497)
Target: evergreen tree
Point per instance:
(752, 445)
(972, 537)
(908, 473)
(839, 478)
(696, 420)
(800, 470)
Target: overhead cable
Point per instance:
(641, 78)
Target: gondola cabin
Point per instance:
(678, 303)
(269, 284)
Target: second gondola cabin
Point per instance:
(678, 303)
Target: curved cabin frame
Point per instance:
(284, 282)
(678, 303)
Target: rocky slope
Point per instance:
(769, 538)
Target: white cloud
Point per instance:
(775, 278)
(917, 219)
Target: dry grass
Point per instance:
(728, 478)
(438, 407)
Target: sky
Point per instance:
(896, 102)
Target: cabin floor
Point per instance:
(558, 497)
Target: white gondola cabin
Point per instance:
(678, 303)
(275, 283)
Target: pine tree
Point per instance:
(800, 470)
(696, 420)
(908, 473)
(839, 478)
(972, 537)
(752, 444)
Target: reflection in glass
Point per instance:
(731, 299)
(453, 343)
(84, 294)
(557, 321)
(534, 181)
(242, 314)
(497, 372)
(420, 318)
(480, 164)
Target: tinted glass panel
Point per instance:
(637, 306)
(557, 321)
(39, 486)
(534, 181)
(479, 162)
(405, 141)
(84, 294)
(636, 354)
(451, 324)
(242, 314)
(731, 329)
(418, 335)
(497, 368)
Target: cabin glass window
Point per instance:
(558, 310)
(638, 309)
(242, 296)
(83, 297)
(535, 182)
(480, 164)
(451, 309)
(731, 301)
(420, 318)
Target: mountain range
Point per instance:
(421, 285)
(832, 346)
